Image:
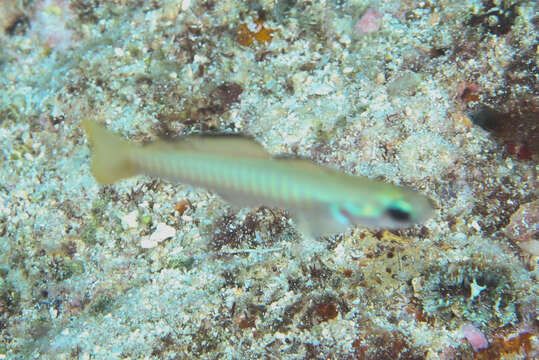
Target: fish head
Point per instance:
(391, 208)
(409, 210)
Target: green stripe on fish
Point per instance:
(243, 173)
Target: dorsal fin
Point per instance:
(228, 145)
(305, 164)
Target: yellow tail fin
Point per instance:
(110, 161)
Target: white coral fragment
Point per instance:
(162, 232)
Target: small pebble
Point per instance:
(162, 232)
(130, 221)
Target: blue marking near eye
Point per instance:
(341, 215)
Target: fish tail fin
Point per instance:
(110, 160)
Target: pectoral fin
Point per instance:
(320, 222)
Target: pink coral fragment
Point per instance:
(524, 223)
(369, 22)
(524, 227)
(50, 23)
(475, 337)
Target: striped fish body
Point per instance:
(242, 172)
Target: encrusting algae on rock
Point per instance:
(240, 170)
(249, 32)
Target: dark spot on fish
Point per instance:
(398, 214)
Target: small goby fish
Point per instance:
(240, 170)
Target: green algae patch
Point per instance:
(10, 299)
(104, 304)
(181, 263)
(63, 268)
(72, 268)
(88, 233)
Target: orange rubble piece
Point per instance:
(248, 32)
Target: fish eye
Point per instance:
(397, 214)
